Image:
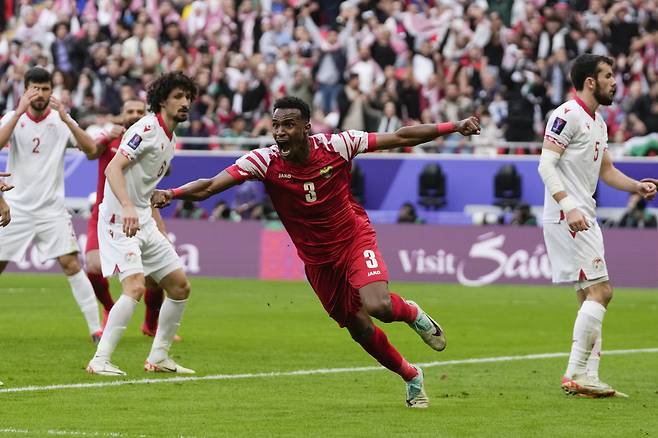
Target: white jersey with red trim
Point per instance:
(36, 162)
(584, 138)
(150, 147)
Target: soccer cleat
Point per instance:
(103, 368)
(428, 329)
(96, 336)
(416, 397)
(150, 332)
(166, 366)
(585, 386)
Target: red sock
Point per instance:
(153, 299)
(379, 348)
(401, 311)
(101, 290)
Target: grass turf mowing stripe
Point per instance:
(306, 372)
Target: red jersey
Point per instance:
(313, 200)
(111, 148)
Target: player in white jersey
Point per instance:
(38, 137)
(130, 243)
(574, 157)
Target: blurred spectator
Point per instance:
(249, 200)
(220, 211)
(189, 210)
(389, 121)
(435, 60)
(636, 215)
(523, 216)
(407, 214)
(197, 129)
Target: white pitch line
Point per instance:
(306, 372)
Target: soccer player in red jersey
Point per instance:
(106, 148)
(308, 180)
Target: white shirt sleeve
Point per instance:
(561, 127)
(252, 165)
(139, 139)
(351, 143)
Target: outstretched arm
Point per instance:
(196, 190)
(618, 180)
(415, 135)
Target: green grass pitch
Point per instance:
(248, 326)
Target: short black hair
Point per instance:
(159, 89)
(587, 66)
(291, 102)
(38, 75)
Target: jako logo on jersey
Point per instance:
(558, 125)
(371, 273)
(285, 175)
(326, 171)
(135, 141)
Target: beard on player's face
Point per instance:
(39, 104)
(603, 98)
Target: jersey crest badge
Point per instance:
(147, 128)
(558, 125)
(326, 171)
(135, 141)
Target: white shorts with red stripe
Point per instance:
(575, 256)
(148, 252)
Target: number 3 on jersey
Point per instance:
(309, 188)
(371, 259)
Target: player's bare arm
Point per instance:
(117, 181)
(102, 142)
(84, 141)
(415, 135)
(616, 179)
(550, 156)
(4, 187)
(5, 216)
(196, 190)
(157, 217)
(23, 104)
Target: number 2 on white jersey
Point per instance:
(309, 188)
(37, 142)
(596, 151)
(371, 259)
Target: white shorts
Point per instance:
(575, 257)
(148, 252)
(53, 237)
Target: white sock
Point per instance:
(83, 292)
(171, 313)
(595, 358)
(117, 321)
(588, 324)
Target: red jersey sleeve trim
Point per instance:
(555, 141)
(261, 171)
(372, 142)
(125, 154)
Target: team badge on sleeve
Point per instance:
(135, 141)
(558, 125)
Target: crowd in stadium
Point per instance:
(367, 65)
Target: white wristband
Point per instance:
(567, 204)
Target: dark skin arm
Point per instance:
(415, 135)
(196, 190)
